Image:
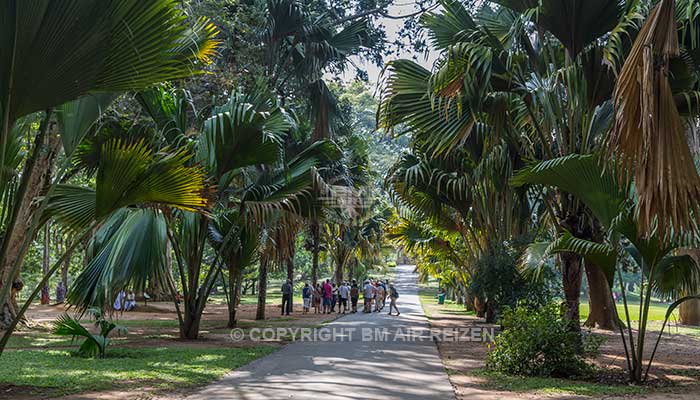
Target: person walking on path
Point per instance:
(381, 296)
(306, 295)
(354, 296)
(343, 295)
(393, 296)
(287, 291)
(368, 292)
(327, 295)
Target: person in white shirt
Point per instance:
(130, 302)
(368, 292)
(119, 301)
(344, 294)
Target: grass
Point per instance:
(37, 339)
(163, 368)
(657, 311)
(548, 386)
(428, 295)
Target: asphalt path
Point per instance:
(358, 356)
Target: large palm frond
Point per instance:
(53, 52)
(127, 251)
(130, 175)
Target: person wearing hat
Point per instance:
(393, 296)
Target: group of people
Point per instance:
(124, 301)
(324, 297)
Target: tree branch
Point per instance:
(384, 13)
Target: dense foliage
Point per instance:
(537, 342)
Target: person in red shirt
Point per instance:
(327, 295)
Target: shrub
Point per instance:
(536, 342)
(498, 280)
(93, 345)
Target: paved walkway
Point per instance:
(351, 367)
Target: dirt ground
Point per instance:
(153, 332)
(676, 367)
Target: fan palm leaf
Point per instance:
(649, 135)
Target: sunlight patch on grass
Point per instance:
(162, 368)
(657, 311)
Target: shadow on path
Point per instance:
(358, 365)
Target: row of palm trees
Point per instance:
(563, 121)
(221, 189)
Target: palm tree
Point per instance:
(101, 47)
(664, 272)
(131, 181)
(241, 149)
(541, 72)
(298, 49)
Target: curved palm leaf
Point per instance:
(96, 46)
(128, 251)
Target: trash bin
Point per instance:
(441, 298)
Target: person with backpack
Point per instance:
(354, 296)
(306, 295)
(393, 295)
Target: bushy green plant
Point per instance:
(498, 281)
(93, 345)
(536, 342)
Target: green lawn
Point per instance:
(428, 295)
(37, 339)
(657, 311)
(162, 368)
(548, 386)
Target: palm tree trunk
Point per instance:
(689, 311)
(315, 238)
(64, 270)
(351, 269)
(235, 298)
(571, 282)
(339, 272)
(45, 298)
(262, 288)
(290, 274)
(35, 179)
(235, 274)
(602, 313)
(191, 322)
